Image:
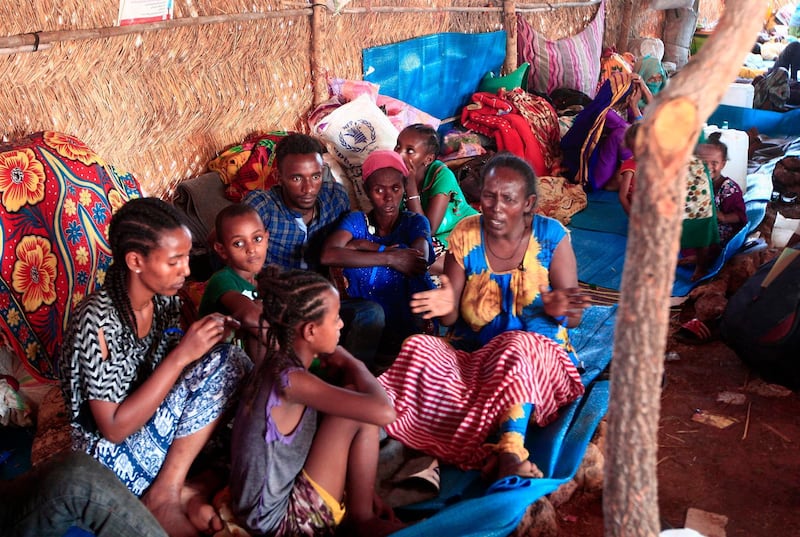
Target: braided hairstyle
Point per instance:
(136, 227)
(431, 137)
(289, 299)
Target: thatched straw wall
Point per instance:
(161, 103)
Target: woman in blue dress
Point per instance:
(384, 254)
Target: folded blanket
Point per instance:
(201, 198)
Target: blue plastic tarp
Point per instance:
(436, 73)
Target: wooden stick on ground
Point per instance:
(747, 421)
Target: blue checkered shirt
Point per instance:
(287, 244)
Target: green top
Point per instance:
(439, 179)
(221, 282)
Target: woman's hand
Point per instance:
(204, 334)
(411, 180)
(565, 302)
(436, 302)
(409, 261)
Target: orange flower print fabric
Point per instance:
(71, 148)
(56, 200)
(496, 302)
(21, 179)
(34, 272)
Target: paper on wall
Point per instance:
(140, 11)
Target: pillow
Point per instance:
(57, 200)
(249, 165)
(572, 62)
(515, 79)
(402, 114)
(352, 89)
(355, 129)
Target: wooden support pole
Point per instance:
(625, 26)
(510, 24)
(318, 82)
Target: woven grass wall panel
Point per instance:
(160, 104)
(345, 35)
(21, 16)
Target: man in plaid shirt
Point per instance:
(299, 213)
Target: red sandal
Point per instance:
(696, 332)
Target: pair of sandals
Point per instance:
(697, 332)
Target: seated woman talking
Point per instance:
(510, 290)
(385, 253)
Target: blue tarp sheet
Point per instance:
(777, 124)
(599, 237)
(436, 73)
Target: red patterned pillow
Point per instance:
(56, 201)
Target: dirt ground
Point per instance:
(749, 471)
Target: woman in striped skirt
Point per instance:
(509, 293)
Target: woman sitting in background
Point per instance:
(510, 290)
(431, 189)
(593, 147)
(384, 253)
(654, 76)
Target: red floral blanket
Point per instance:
(56, 201)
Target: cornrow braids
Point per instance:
(289, 299)
(429, 134)
(136, 227)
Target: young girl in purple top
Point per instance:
(301, 444)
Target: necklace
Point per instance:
(513, 253)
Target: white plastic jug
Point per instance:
(739, 95)
(738, 144)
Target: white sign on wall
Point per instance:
(139, 11)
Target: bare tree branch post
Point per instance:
(664, 143)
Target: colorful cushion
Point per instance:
(515, 79)
(572, 62)
(56, 200)
(249, 165)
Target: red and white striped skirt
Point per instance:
(449, 401)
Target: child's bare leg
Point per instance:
(344, 456)
(182, 509)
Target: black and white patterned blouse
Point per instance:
(85, 375)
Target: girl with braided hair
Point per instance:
(143, 397)
(302, 444)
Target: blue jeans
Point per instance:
(73, 490)
(363, 328)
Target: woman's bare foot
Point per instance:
(165, 504)
(503, 465)
(183, 512)
(196, 502)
